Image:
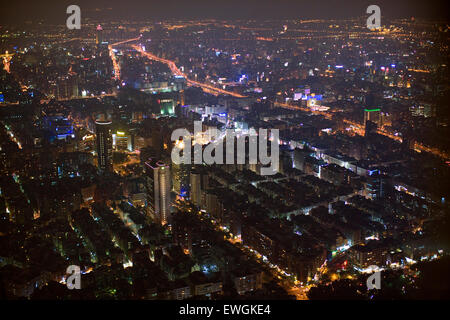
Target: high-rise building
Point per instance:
(372, 114)
(157, 139)
(182, 97)
(375, 185)
(370, 128)
(104, 145)
(158, 190)
(98, 35)
(180, 179)
(195, 188)
(123, 140)
(167, 107)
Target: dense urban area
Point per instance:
(87, 177)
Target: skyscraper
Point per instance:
(195, 188)
(104, 145)
(375, 185)
(374, 115)
(180, 179)
(370, 128)
(157, 139)
(158, 190)
(98, 35)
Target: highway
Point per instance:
(114, 62)
(358, 128)
(172, 66)
(176, 71)
(112, 54)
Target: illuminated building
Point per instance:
(423, 110)
(180, 179)
(248, 282)
(167, 107)
(182, 97)
(137, 116)
(60, 127)
(135, 191)
(375, 185)
(104, 145)
(157, 86)
(69, 163)
(298, 96)
(98, 35)
(313, 100)
(122, 140)
(374, 115)
(158, 190)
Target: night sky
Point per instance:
(54, 11)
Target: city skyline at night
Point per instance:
(225, 151)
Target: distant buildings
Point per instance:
(67, 88)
